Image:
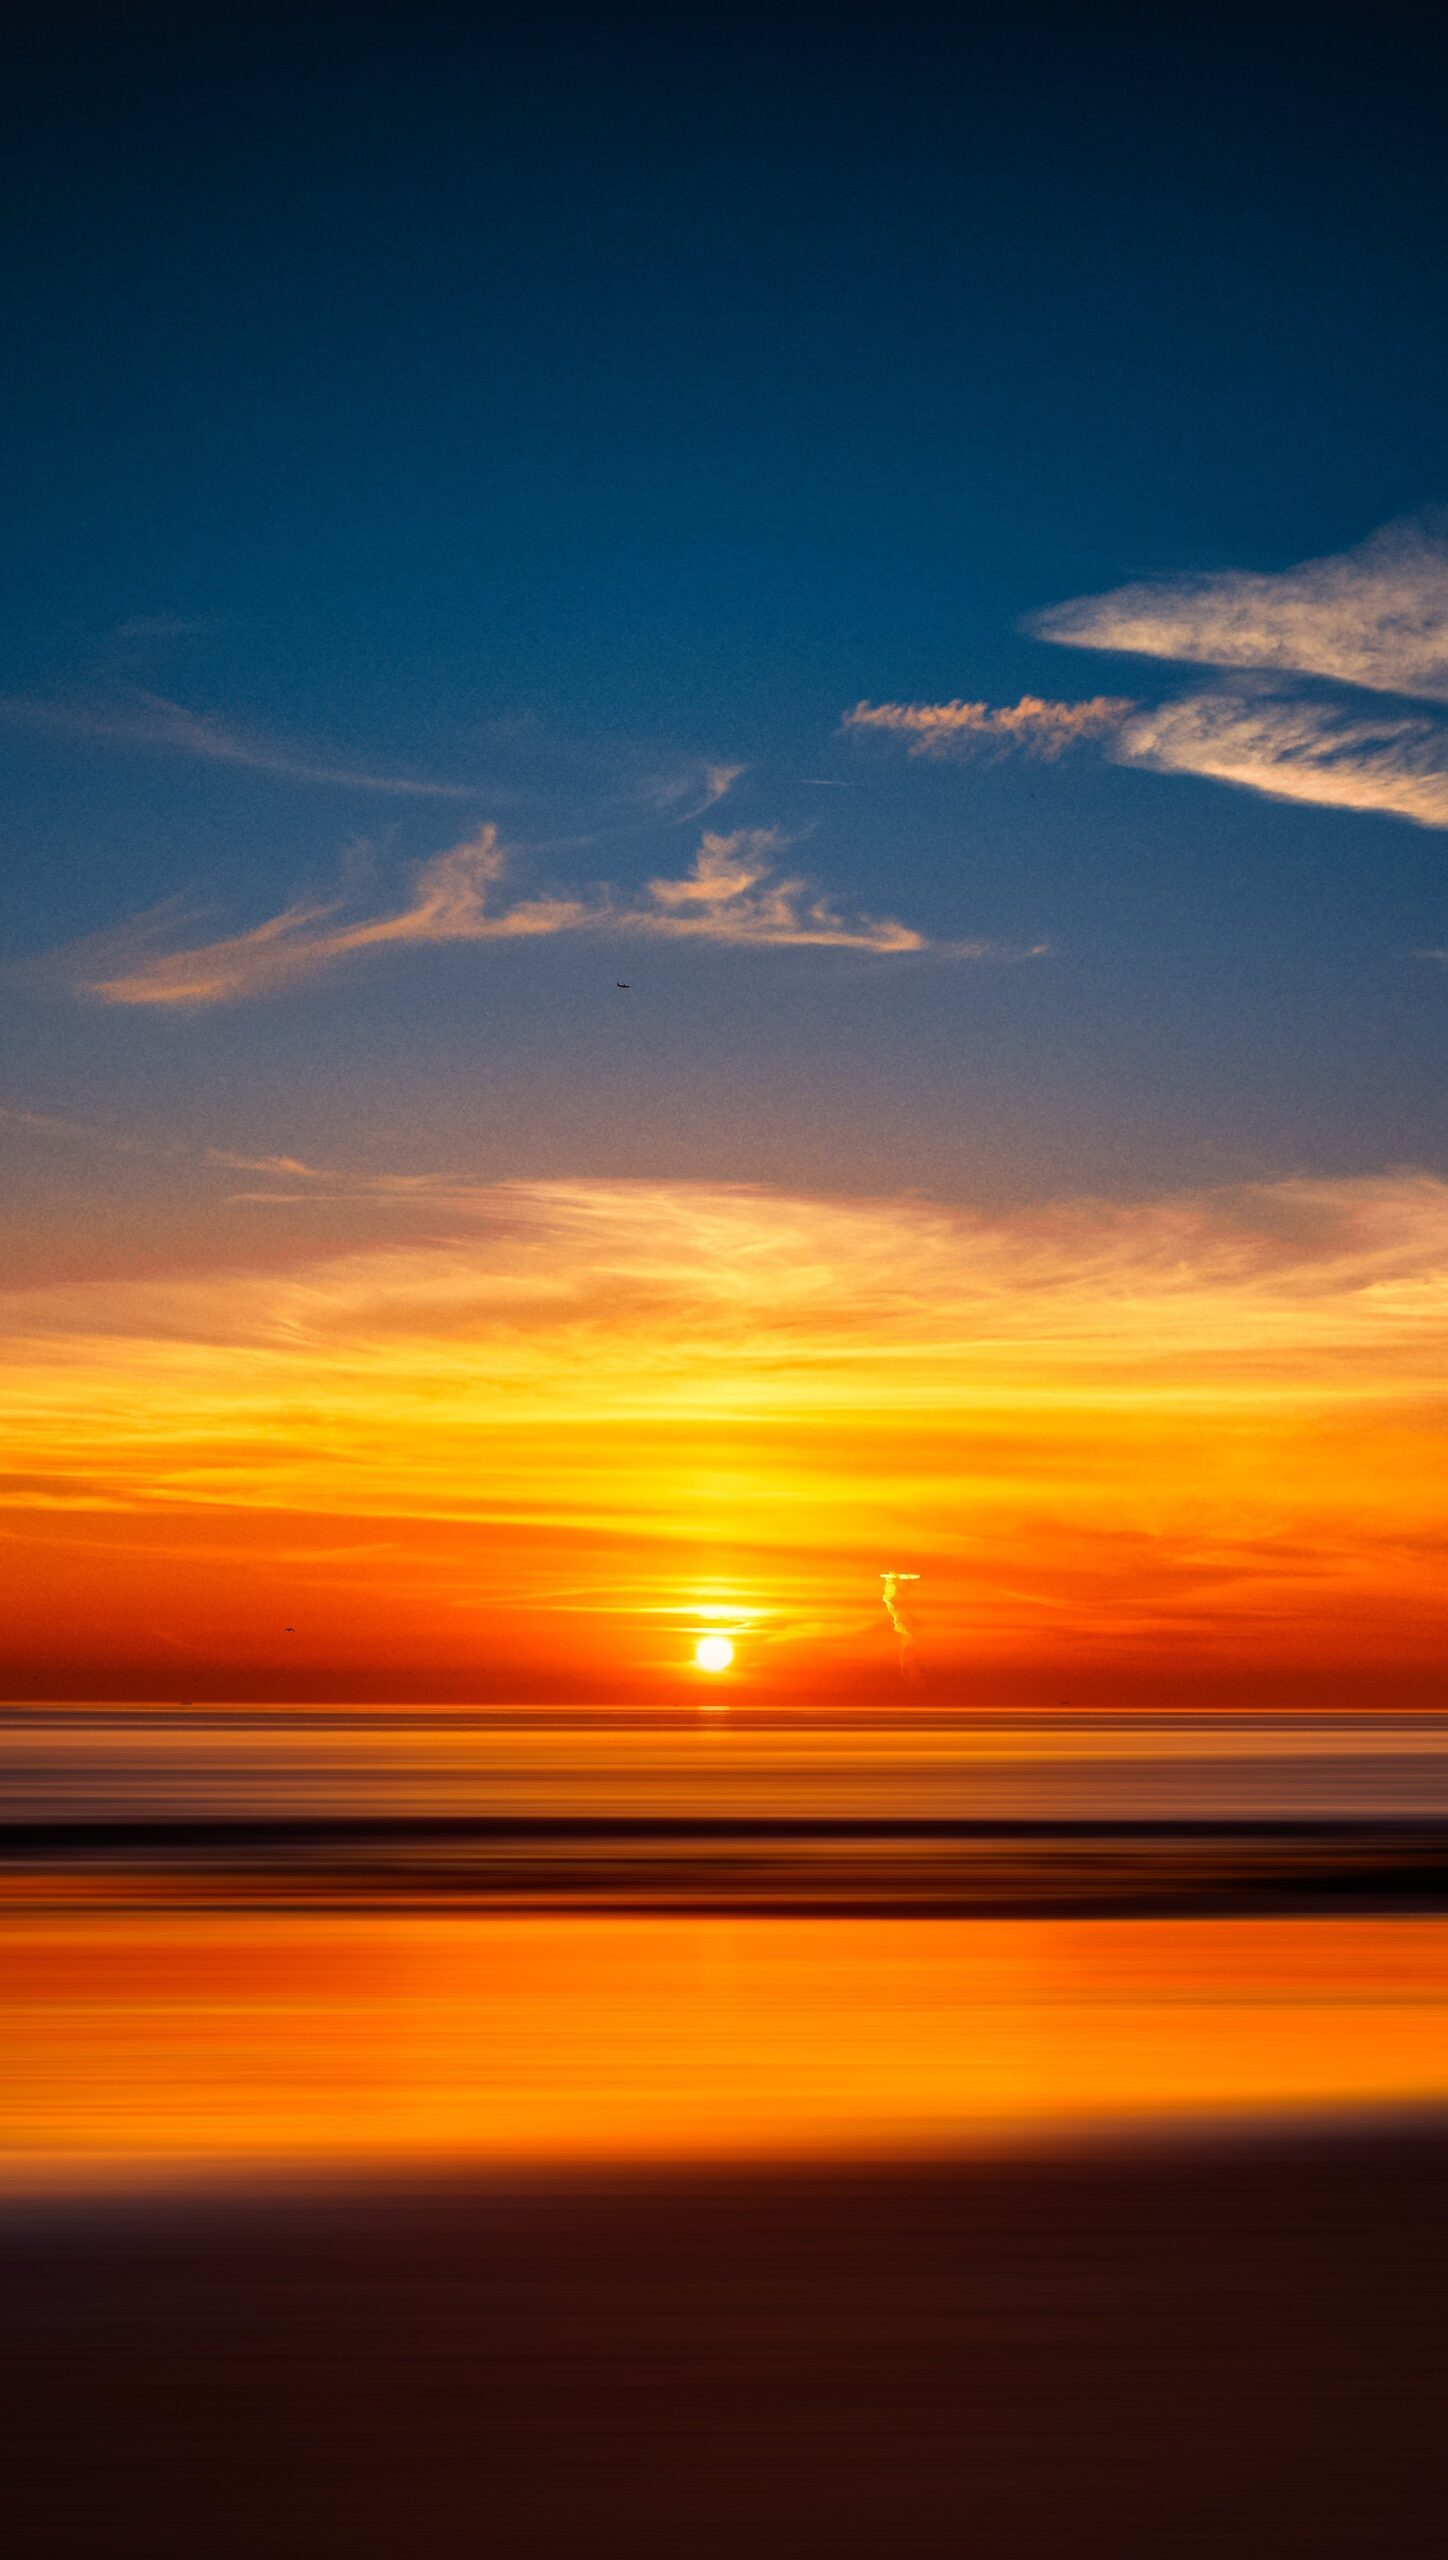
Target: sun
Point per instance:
(713, 1653)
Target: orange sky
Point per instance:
(530, 1440)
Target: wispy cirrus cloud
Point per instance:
(158, 630)
(691, 793)
(49, 1129)
(46, 1125)
(1298, 649)
(290, 1168)
(734, 892)
(148, 724)
(449, 903)
(1375, 617)
(942, 730)
(1236, 1292)
(1289, 748)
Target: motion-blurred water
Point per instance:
(552, 2133)
(130, 1761)
(170, 2010)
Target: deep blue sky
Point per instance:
(544, 414)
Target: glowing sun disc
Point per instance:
(713, 1653)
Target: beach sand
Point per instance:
(1229, 2347)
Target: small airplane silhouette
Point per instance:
(623, 985)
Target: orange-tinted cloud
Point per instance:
(734, 893)
(955, 729)
(449, 904)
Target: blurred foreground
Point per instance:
(147, 2048)
(486, 2137)
(1114, 2358)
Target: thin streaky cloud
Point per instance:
(700, 790)
(449, 904)
(1298, 749)
(45, 1124)
(1305, 645)
(341, 1184)
(42, 1124)
(291, 1166)
(147, 724)
(1260, 1279)
(161, 628)
(731, 895)
(1375, 617)
(941, 730)
(734, 893)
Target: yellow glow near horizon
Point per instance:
(1187, 1441)
(713, 1653)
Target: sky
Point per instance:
(725, 785)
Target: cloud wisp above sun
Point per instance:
(735, 892)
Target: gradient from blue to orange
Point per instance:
(462, 494)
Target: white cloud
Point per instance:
(1298, 749)
(1369, 621)
(1375, 617)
